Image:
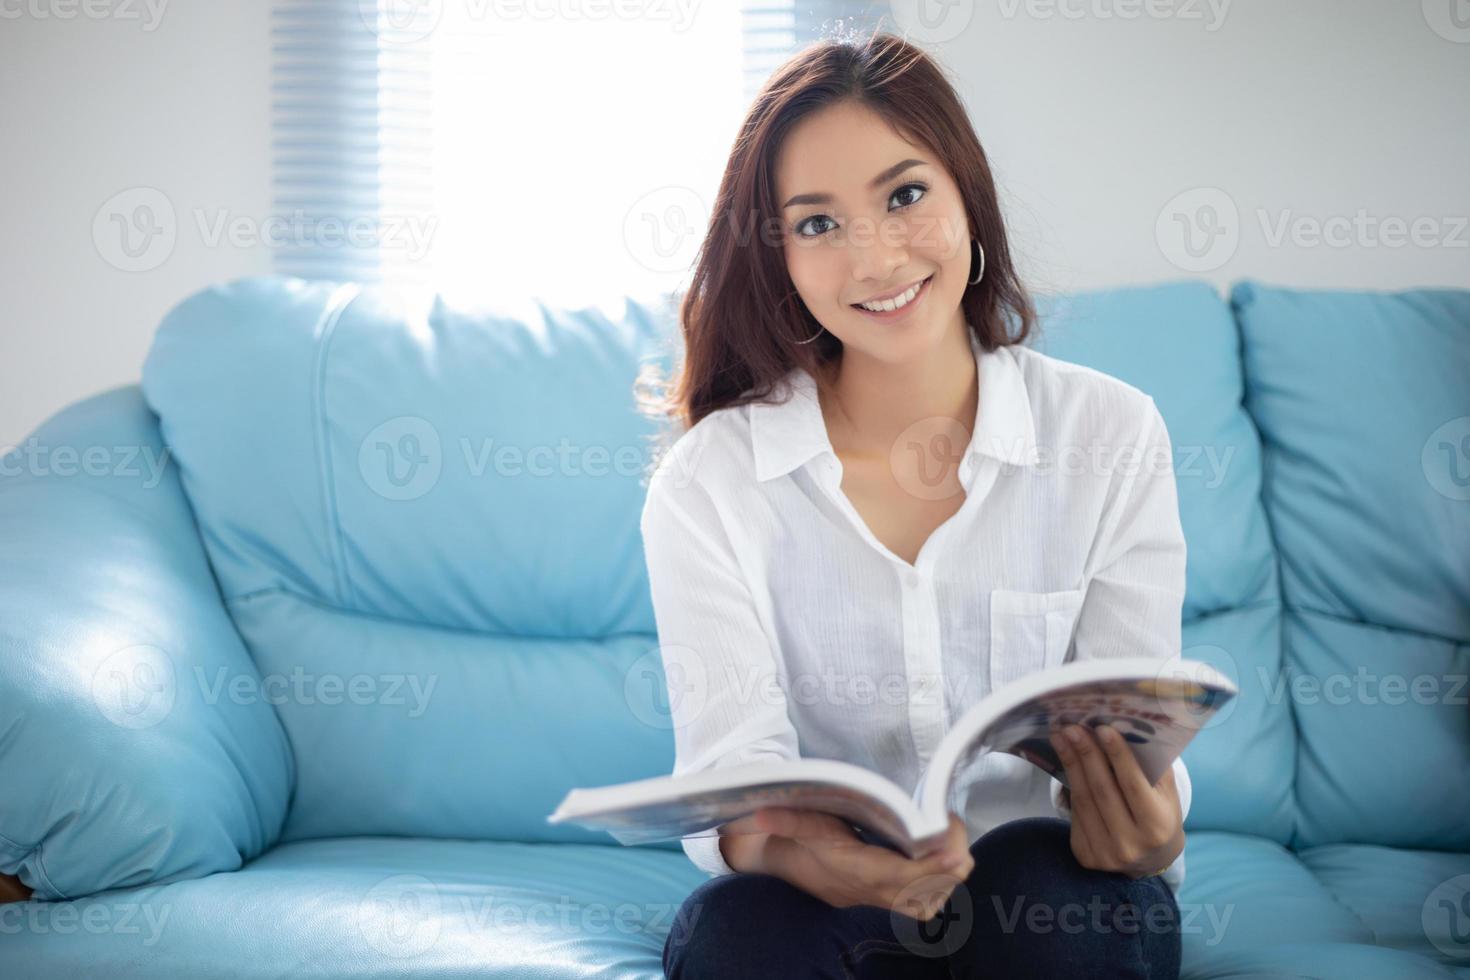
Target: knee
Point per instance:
(1026, 848)
(739, 925)
(1033, 892)
(1034, 854)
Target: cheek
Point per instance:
(815, 272)
(943, 237)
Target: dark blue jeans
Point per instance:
(1027, 910)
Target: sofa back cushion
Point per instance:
(424, 521)
(1363, 403)
(1179, 343)
(116, 768)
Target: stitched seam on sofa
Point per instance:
(1333, 894)
(40, 864)
(421, 624)
(1338, 617)
(1278, 558)
(1231, 610)
(326, 329)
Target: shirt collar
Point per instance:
(785, 436)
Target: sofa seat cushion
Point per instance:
(1409, 899)
(1246, 893)
(386, 907)
(1252, 908)
(372, 907)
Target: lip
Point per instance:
(903, 311)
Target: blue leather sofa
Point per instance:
(301, 639)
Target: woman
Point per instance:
(860, 533)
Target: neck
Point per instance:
(871, 402)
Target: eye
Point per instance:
(921, 188)
(806, 221)
(912, 186)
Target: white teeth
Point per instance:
(888, 306)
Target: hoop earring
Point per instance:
(980, 274)
(820, 331)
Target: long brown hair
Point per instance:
(741, 316)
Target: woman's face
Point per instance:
(865, 240)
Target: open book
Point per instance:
(1158, 705)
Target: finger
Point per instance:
(744, 825)
(803, 824)
(924, 895)
(1167, 787)
(1086, 821)
(1103, 784)
(945, 863)
(959, 843)
(1140, 796)
(951, 858)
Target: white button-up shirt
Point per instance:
(788, 630)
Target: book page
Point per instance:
(702, 815)
(1158, 716)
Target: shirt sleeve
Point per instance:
(726, 704)
(1135, 597)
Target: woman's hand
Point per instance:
(1119, 821)
(822, 855)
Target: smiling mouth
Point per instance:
(921, 285)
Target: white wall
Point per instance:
(1292, 111)
(1288, 109)
(90, 107)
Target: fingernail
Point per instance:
(1075, 734)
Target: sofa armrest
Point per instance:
(130, 749)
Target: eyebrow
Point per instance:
(882, 178)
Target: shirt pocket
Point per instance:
(1030, 631)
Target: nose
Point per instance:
(875, 262)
